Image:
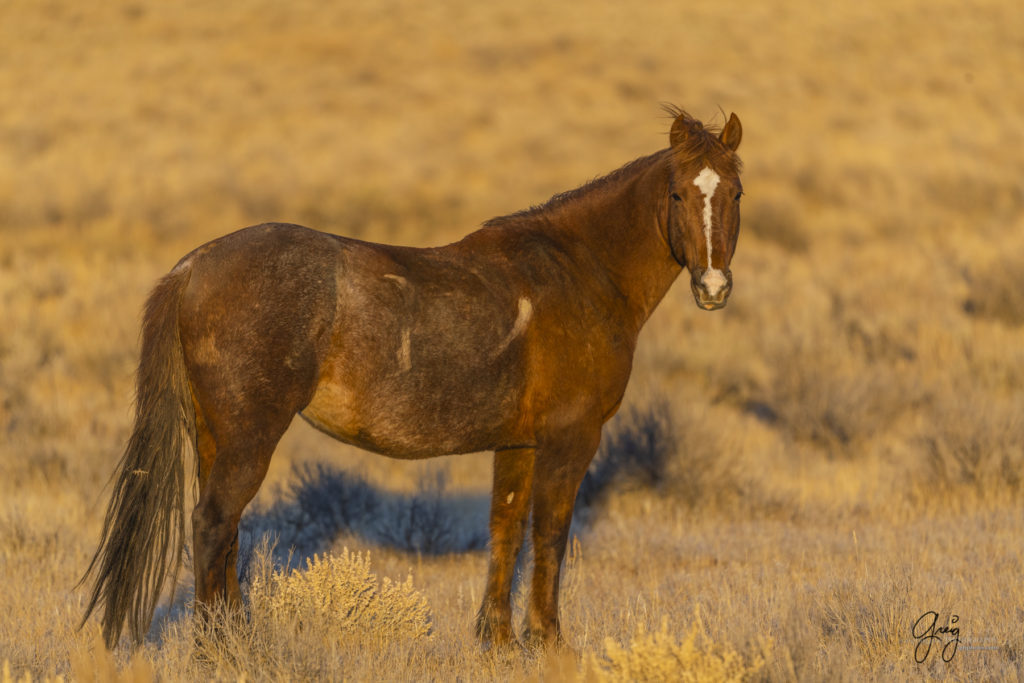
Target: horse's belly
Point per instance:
(415, 417)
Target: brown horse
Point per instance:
(518, 339)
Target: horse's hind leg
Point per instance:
(510, 503)
(235, 447)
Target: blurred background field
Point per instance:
(801, 475)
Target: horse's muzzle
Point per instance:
(711, 288)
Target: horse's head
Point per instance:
(704, 205)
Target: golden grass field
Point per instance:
(843, 443)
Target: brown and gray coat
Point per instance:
(518, 339)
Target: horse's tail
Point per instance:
(144, 529)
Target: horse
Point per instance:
(517, 339)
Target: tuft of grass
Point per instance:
(337, 597)
(93, 663)
(659, 656)
(305, 624)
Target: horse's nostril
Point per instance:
(713, 281)
(713, 295)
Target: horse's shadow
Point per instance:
(322, 503)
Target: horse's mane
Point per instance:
(568, 196)
(700, 144)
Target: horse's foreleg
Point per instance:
(510, 498)
(558, 471)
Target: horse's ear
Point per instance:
(680, 129)
(732, 133)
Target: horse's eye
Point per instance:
(738, 195)
(676, 197)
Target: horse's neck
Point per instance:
(622, 225)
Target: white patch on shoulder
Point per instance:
(397, 278)
(405, 351)
(525, 312)
(523, 316)
(707, 180)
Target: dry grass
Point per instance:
(658, 656)
(832, 455)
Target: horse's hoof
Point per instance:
(551, 642)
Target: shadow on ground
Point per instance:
(323, 502)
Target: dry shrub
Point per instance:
(708, 471)
(307, 624)
(635, 450)
(975, 444)
(658, 656)
(997, 292)
(834, 387)
(427, 522)
(834, 406)
(777, 220)
(339, 598)
(678, 454)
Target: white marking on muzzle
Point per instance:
(713, 280)
(707, 181)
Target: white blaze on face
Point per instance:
(707, 181)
